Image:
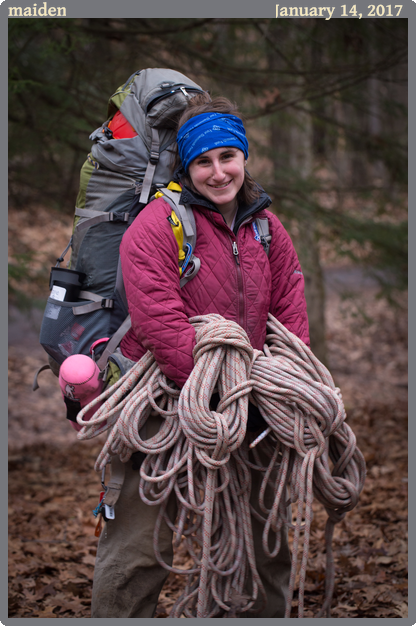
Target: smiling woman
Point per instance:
(240, 279)
(213, 149)
(232, 135)
(219, 175)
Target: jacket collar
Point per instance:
(243, 212)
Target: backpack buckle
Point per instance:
(265, 242)
(154, 158)
(118, 217)
(107, 303)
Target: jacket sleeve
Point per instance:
(288, 302)
(149, 261)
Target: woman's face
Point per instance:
(218, 175)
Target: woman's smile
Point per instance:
(221, 186)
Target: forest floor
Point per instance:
(53, 488)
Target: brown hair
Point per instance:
(202, 103)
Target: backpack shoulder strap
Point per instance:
(184, 212)
(182, 221)
(265, 236)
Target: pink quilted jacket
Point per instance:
(242, 288)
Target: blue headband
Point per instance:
(207, 131)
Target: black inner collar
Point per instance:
(243, 212)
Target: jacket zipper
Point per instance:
(240, 284)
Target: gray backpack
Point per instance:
(87, 305)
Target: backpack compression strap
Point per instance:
(151, 167)
(96, 217)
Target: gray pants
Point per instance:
(128, 579)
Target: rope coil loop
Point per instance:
(202, 454)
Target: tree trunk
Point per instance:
(292, 154)
(300, 158)
(308, 252)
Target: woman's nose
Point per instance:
(217, 170)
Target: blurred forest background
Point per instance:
(325, 108)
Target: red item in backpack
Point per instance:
(120, 127)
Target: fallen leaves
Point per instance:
(53, 488)
(51, 557)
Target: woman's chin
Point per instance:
(221, 197)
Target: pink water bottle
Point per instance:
(80, 384)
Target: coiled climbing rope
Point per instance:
(202, 455)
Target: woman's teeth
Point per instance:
(220, 186)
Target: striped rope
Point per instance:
(202, 455)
